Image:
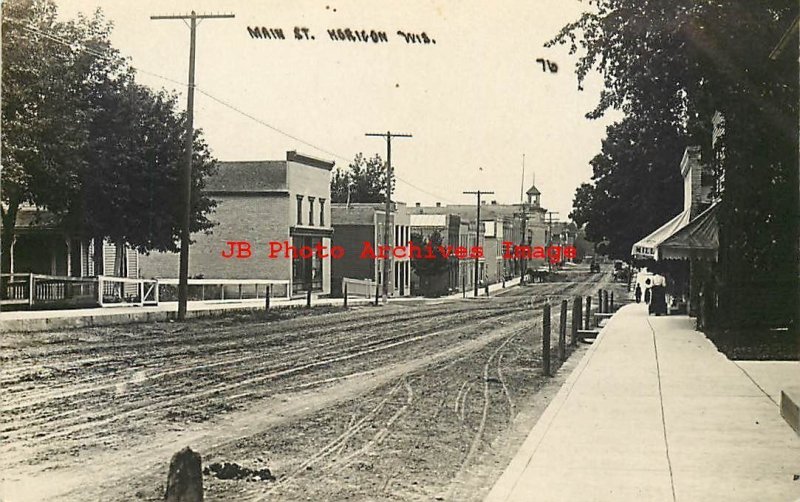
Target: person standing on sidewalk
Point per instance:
(638, 293)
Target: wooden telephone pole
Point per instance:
(183, 277)
(550, 237)
(477, 231)
(387, 227)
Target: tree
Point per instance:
(363, 181)
(83, 141)
(45, 107)
(137, 146)
(677, 62)
(636, 184)
(432, 272)
(429, 267)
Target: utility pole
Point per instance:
(387, 228)
(550, 237)
(524, 242)
(522, 184)
(183, 277)
(522, 260)
(477, 231)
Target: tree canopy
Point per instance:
(669, 65)
(429, 267)
(363, 181)
(82, 140)
(637, 184)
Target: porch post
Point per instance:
(68, 242)
(11, 255)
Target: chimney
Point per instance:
(696, 183)
(417, 204)
(438, 204)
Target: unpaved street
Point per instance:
(402, 402)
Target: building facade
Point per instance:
(275, 206)
(360, 224)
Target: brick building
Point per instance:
(284, 201)
(499, 223)
(359, 223)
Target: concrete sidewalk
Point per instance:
(654, 412)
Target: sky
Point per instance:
(475, 102)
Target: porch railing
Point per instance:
(36, 290)
(49, 291)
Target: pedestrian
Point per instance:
(647, 291)
(638, 293)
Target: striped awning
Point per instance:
(648, 247)
(699, 239)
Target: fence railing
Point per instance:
(126, 292)
(363, 287)
(36, 290)
(39, 290)
(225, 289)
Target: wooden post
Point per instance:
(577, 317)
(377, 291)
(588, 319)
(344, 293)
(546, 340)
(308, 298)
(32, 290)
(463, 286)
(599, 302)
(99, 290)
(268, 294)
(612, 302)
(562, 333)
(185, 478)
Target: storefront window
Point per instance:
(306, 272)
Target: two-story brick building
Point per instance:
(357, 224)
(261, 202)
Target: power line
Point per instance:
(312, 145)
(183, 276)
(222, 102)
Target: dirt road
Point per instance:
(401, 402)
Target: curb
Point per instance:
(790, 409)
(111, 318)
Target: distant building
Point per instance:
(357, 224)
(499, 223)
(262, 202)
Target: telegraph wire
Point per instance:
(96, 53)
